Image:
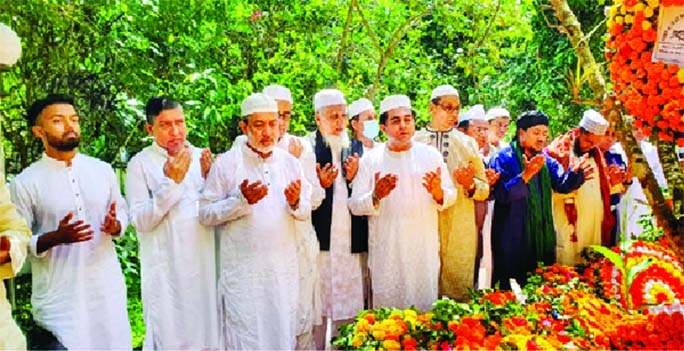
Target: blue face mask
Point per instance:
(371, 129)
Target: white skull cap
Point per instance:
(394, 101)
(496, 112)
(359, 106)
(328, 97)
(443, 90)
(278, 92)
(594, 123)
(475, 113)
(258, 102)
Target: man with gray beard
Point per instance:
(339, 260)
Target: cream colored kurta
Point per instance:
(259, 277)
(177, 253)
(457, 229)
(403, 235)
(15, 229)
(589, 204)
(78, 292)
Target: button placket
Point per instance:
(73, 183)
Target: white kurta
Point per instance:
(258, 277)
(13, 227)
(78, 292)
(633, 204)
(404, 229)
(309, 301)
(177, 256)
(589, 205)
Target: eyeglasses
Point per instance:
(450, 109)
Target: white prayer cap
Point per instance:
(258, 102)
(594, 123)
(475, 113)
(443, 90)
(10, 46)
(328, 97)
(359, 106)
(496, 112)
(395, 101)
(278, 92)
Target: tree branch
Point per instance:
(371, 35)
(345, 36)
(489, 25)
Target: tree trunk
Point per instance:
(611, 109)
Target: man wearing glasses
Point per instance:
(457, 229)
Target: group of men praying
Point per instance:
(276, 242)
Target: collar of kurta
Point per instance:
(58, 163)
(249, 151)
(431, 130)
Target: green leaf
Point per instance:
(612, 256)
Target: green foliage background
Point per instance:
(114, 55)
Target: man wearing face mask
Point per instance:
(340, 243)
(364, 124)
(457, 228)
(253, 193)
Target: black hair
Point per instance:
(463, 124)
(39, 105)
(383, 116)
(158, 104)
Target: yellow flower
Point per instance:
(648, 12)
(646, 25)
(653, 3)
(629, 19)
(613, 11)
(357, 341)
(379, 335)
(638, 7)
(680, 75)
(623, 10)
(391, 345)
(619, 20)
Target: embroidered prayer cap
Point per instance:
(476, 112)
(530, 119)
(359, 106)
(328, 97)
(258, 102)
(278, 92)
(496, 112)
(10, 46)
(443, 90)
(395, 101)
(594, 123)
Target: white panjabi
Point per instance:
(10, 46)
(443, 90)
(593, 122)
(278, 92)
(328, 97)
(395, 101)
(403, 229)
(359, 106)
(177, 253)
(258, 102)
(475, 113)
(496, 112)
(78, 292)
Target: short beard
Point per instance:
(337, 142)
(63, 145)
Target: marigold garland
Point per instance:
(652, 92)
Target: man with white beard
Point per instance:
(309, 306)
(253, 194)
(340, 267)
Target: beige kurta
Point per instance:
(14, 227)
(589, 205)
(457, 229)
